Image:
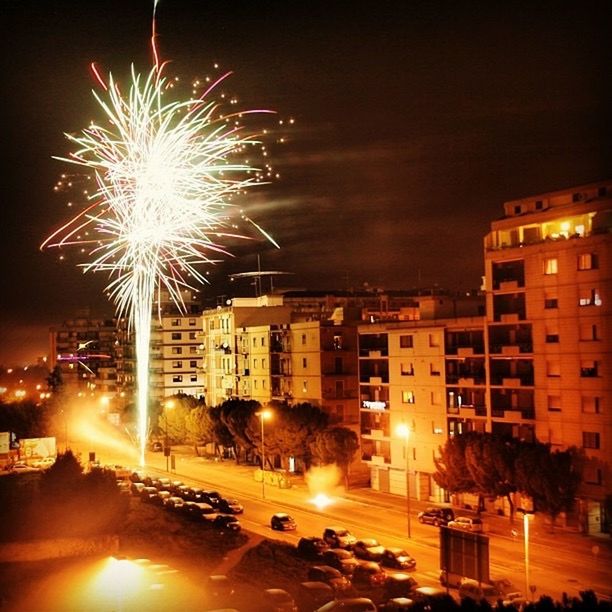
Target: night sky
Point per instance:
(414, 122)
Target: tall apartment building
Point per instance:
(548, 266)
(84, 350)
(175, 356)
(536, 366)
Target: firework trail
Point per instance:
(165, 176)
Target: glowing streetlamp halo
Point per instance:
(402, 431)
(265, 414)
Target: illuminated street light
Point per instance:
(403, 431)
(527, 516)
(263, 415)
(168, 405)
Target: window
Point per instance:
(590, 439)
(591, 405)
(263, 341)
(434, 370)
(588, 331)
(408, 397)
(551, 303)
(193, 350)
(337, 343)
(539, 205)
(192, 335)
(177, 378)
(304, 362)
(553, 369)
(177, 364)
(255, 383)
(434, 340)
(255, 363)
(192, 322)
(193, 364)
(589, 297)
(175, 322)
(407, 369)
(589, 369)
(551, 265)
(305, 386)
(193, 378)
(517, 210)
(587, 261)
(436, 398)
(436, 429)
(554, 403)
(176, 335)
(552, 336)
(303, 338)
(406, 341)
(263, 384)
(177, 350)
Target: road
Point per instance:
(559, 562)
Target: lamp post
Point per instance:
(526, 518)
(403, 431)
(263, 416)
(169, 404)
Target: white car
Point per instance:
(44, 463)
(467, 523)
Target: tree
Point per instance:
(490, 460)
(452, 473)
(335, 445)
(551, 479)
(55, 380)
(63, 478)
(236, 415)
(199, 427)
(172, 420)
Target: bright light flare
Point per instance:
(322, 501)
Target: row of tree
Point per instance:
(492, 466)
(301, 431)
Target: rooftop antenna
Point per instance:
(258, 275)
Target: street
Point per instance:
(559, 562)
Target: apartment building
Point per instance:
(84, 350)
(535, 366)
(548, 265)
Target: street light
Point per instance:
(263, 416)
(403, 431)
(169, 404)
(527, 516)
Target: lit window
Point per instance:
(177, 364)
(551, 266)
(175, 322)
(177, 350)
(192, 322)
(408, 397)
(589, 298)
(587, 261)
(192, 335)
(193, 378)
(589, 369)
(177, 378)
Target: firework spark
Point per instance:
(164, 176)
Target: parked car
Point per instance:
(230, 506)
(312, 595)
(211, 497)
(219, 590)
(339, 537)
(466, 523)
(397, 558)
(222, 522)
(436, 515)
(311, 547)
(399, 585)
(136, 488)
(398, 604)
(278, 600)
(368, 549)
(350, 604)
(281, 521)
(161, 484)
(196, 510)
(369, 574)
(158, 500)
(147, 493)
(174, 503)
(432, 596)
(193, 494)
(44, 463)
(478, 591)
(340, 558)
(331, 576)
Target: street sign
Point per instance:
(464, 553)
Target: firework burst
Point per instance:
(165, 176)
